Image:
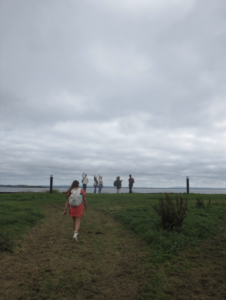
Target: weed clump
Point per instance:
(201, 204)
(6, 242)
(172, 211)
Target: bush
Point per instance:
(201, 204)
(172, 212)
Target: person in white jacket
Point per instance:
(85, 180)
(101, 184)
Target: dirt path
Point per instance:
(103, 264)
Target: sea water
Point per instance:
(112, 190)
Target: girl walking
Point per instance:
(75, 212)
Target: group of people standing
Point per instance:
(98, 183)
(118, 183)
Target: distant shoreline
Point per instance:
(65, 186)
(23, 186)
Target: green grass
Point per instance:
(20, 211)
(165, 247)
(136, 212)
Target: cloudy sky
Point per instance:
(113, 87)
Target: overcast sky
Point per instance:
(113, 87)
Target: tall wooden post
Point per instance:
(51, 184)
(187, 181)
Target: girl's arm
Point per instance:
(85, 202)
(66, 206)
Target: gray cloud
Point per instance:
(113, 87)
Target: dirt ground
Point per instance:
(107, 262)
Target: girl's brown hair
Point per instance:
(75, 184)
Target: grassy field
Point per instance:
(122, 252)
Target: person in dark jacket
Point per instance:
(95, 184)
(131, 182)
(118, 184)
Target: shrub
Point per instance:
(172, 211)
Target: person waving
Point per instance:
(85, 181)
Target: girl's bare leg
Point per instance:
(77, 224)
(74, 222)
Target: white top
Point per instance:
(95, 183)
(85, 179)
(100, 180)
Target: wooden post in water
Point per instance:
(187, 180)
(51, 184)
